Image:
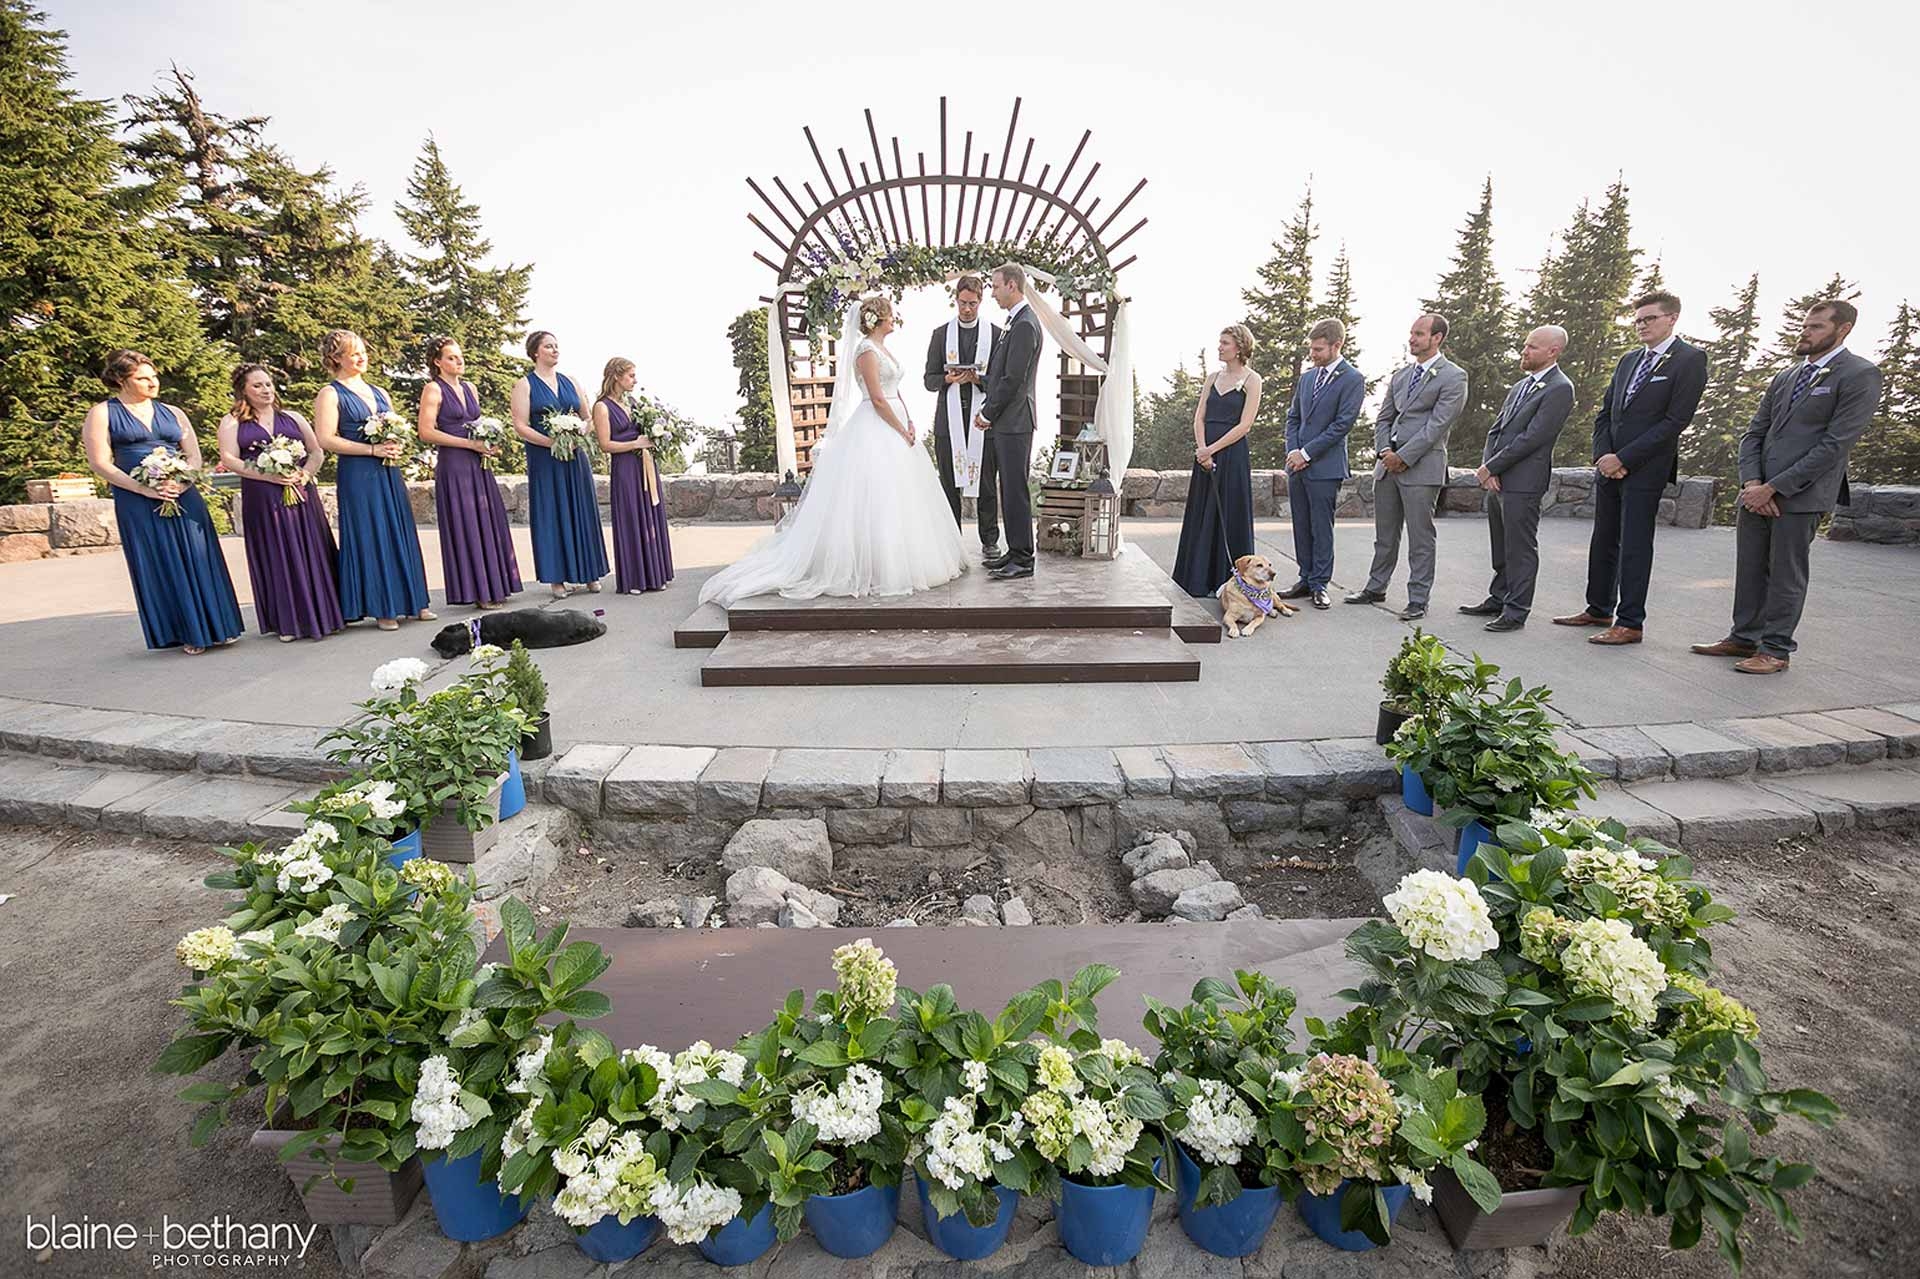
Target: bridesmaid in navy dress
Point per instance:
(180, 583)
(642, 555)
(476, 544)
(291, 557)
(568, 549)
(382, 574)
(1218, 527)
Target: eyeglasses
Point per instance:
(1639, 320)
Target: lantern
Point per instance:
(1100, 520)
(788, 495)
(1092, 450)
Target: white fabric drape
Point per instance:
(1113, 408)
(786, 453)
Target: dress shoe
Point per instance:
(1723, 648)
(1486, 609)
(1321, 599)
(1366, 597)
(1761, 664)
(1413, 612)
(1008, 571)
(1298, 591)
(1584, 618)
(1506, 624)
(1615, 635)
(994, 560)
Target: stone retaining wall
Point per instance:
(36, 530)
(1887, 513)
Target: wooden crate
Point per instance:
(1058, 503)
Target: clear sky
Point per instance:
(609, 143)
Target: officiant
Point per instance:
(957, 356)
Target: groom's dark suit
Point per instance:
(1012, 408)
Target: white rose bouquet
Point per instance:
(569, 433)
(165, 466)
(391, 428)
(490, 431)
(284, 458)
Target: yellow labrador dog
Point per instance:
(1247, 600)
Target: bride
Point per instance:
(873, 519)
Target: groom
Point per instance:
(957, 356)
(1008, 415)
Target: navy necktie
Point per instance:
(1413, 389)
(1319, 383)
(1647, 358)
(1802, 382)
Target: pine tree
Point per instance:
(83, 269)
(1651, 280)
(1480, 329)
(1279, 310)
(1163, 420)
(1340, 305)
(1735, 382)
(748, 334)
(272, 250)
(1838, 288)
(1889, 452)
(481, 307)
(1585, 288)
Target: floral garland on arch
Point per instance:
(865, 266)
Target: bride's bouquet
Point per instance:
(164, 466)
(391, 428)
(490, 431)
(569, 433)
(283, 459)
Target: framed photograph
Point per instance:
(1066, 466)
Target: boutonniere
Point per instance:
(1660, 360)
(1819, 374)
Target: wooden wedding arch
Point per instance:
(977, 203)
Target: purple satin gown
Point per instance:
(476, 544)
(291, 557)
(642, 553)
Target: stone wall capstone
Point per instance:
(1885, 513)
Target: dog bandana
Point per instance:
(1261, 597)
(473, 631)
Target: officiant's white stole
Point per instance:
(966, 447)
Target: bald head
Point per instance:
(1424, 339)
(1543, 347)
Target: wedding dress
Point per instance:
(872, 520)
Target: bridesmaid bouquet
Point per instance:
(390, 428)
(283, 459)
(163, 466)
(569, 432)
(490, 431)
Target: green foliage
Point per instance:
(1279, 311)
(1422, 674)
(1889, 452)
(1481, 337)
(524, 683)
(1163, 420)
(1735, 382)
(1585, 287)
(748, 336)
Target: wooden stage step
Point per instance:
(763, 658)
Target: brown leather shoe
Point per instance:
(1723, 648)
(1583, 618)
(1761, 664)
(1615, 635)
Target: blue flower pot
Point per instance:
(405, 848)
(960, 1238)
(1322, 1214)
(467, 1208)
(513, 795)
(1413, 792)
(739, 1242)
(854, 1224)
(1236, 1229)
(1104, 1225)
(1472, 835)
(608, 1240)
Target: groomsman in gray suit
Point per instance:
(1793, 469)
(1423, 401)
(1516, 470)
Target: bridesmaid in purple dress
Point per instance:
(476, 544)
(291, 557)
(642, 555)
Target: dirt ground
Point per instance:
(1824, 952)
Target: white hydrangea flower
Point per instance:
(598, 1131)
(1219, 1124)
(1056, 1070)
(973, 1074)
(379, 798)
(1414, 1180)
(1604, 958)
(529, 1064)
(514, 1139)
(867, 977)
(849, 1113)
(310, 874)
(486, 652)
(397, 674)
(570, 1160)
(327, 924)
(692, 1212)
(1677, 1097)
(1121, 1053)
(205, 949)
(437, 1112)
(1287, 1082)
(1443, 916)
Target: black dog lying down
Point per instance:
(534, 627)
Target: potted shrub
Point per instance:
(969, 1077)
(1420, 674)
(467, 1095)
(528, 688)
(334, 1010)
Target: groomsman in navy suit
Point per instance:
(1636, 454)
(1326, 404)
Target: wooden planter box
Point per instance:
(379, 1197)
(64, 488)
(444, 839)
(1527, 1218)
